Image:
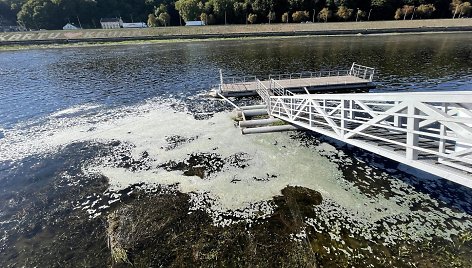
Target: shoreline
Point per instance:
(94, 43)
(216, 32)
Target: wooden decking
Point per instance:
(295, 85)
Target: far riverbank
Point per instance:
(235, 31)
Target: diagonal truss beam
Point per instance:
(376, 119)
(458, 128)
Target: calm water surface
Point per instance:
(38, 82)
(49, 207)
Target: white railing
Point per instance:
(308, 74)
(356, 70)
(428, 130)
(264, 92)
(238, 79)
(361, 71)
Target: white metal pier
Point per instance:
(431, 131)
(358, 77)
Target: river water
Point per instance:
(95, 138)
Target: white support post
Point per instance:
(442, 134)
(221, 77)
(312, 112)
(397, 119)
(413, 124)
(344, 115)
(352, 68)
(351, 108)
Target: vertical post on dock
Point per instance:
(344, 115)
(413, 125)
(396, 119)
(221, 77)
(442, 134)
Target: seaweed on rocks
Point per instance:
(204, 165)
(177, 140)
(121, 156)
(162, 231)
(40, 227)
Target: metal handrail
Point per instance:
(355, 70)
(308, 74)
(238, 79)
(429, 130)
(362, 71)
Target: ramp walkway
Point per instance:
(431, 131)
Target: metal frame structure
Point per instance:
(431, 131)
(356, 70)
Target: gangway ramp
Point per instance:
(431, 131)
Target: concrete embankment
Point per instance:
(235, 31)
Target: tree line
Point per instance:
(53, 14)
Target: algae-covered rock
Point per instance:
(160, 230)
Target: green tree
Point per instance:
(252, 18)
(162, 8)
(285, 17)
(360, 14)
(262, 6)
(455, 7)
(344, 13)
(164, 18)
(299, 16)
(188, 9)
(465, 9)
(325, 14)
(152, 21)
(380, 8)
(398, 14)
(221, 7)
(271, 16)
(426, 10)
(407, 10)
(204, 18)
(39, 14)
(211, 19)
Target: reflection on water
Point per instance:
(92, 152)
(38, 82)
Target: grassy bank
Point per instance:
(169, 34)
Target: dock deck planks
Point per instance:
(330, 82)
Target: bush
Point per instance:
(344, 13)
(425, 10)
(299, 16)
(285, 17)
(325, 14)
(252, 18)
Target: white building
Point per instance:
(134, 25)
(194, 23)
(70, 26)
(111, 23)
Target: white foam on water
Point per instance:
(275, 158)
(74, 110)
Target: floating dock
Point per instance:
(357, 79)
(430, 131)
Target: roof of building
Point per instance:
(110, 20)
(71, 24)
